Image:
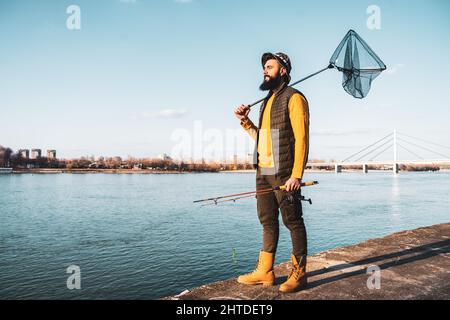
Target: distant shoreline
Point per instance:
(110, 171)
(153, 171)
(139, 171)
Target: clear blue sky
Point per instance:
(139, 70)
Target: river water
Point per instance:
(140, 236)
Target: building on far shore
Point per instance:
(164, 157)
(24, 153)
(51, 154)
(36, 153)
(249, 158)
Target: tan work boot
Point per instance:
(263, 273)
(297, 278)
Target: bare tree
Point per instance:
(5, 156)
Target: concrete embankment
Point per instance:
(412, 264)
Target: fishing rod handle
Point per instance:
(303, 184)
(309, 183)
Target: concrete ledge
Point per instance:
(414, 264)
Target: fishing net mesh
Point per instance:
(358, 64)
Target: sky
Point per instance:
(145, 77)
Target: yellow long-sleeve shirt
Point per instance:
(299, 118)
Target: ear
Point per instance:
(282, 71)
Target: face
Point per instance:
(272, 75)
(271, 69)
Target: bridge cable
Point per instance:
(379, 153)
(443, 155)
(367, 147)
(413, 153)
(373, 150)
(423, 140)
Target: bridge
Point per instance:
(395, 140)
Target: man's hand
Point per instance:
(293, 184)
(242, 112)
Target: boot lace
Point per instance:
(257, 266)
(296, 272)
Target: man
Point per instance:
(281, 154)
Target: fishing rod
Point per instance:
(240, 197)
(237, 196)
(302, 198)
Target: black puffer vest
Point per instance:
(283, 141)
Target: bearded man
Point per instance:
(280, 157)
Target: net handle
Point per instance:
(330, 66)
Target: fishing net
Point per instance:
(358, 64)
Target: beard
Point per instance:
(271, 84)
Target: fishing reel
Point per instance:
(302, 198)
(291, 197)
